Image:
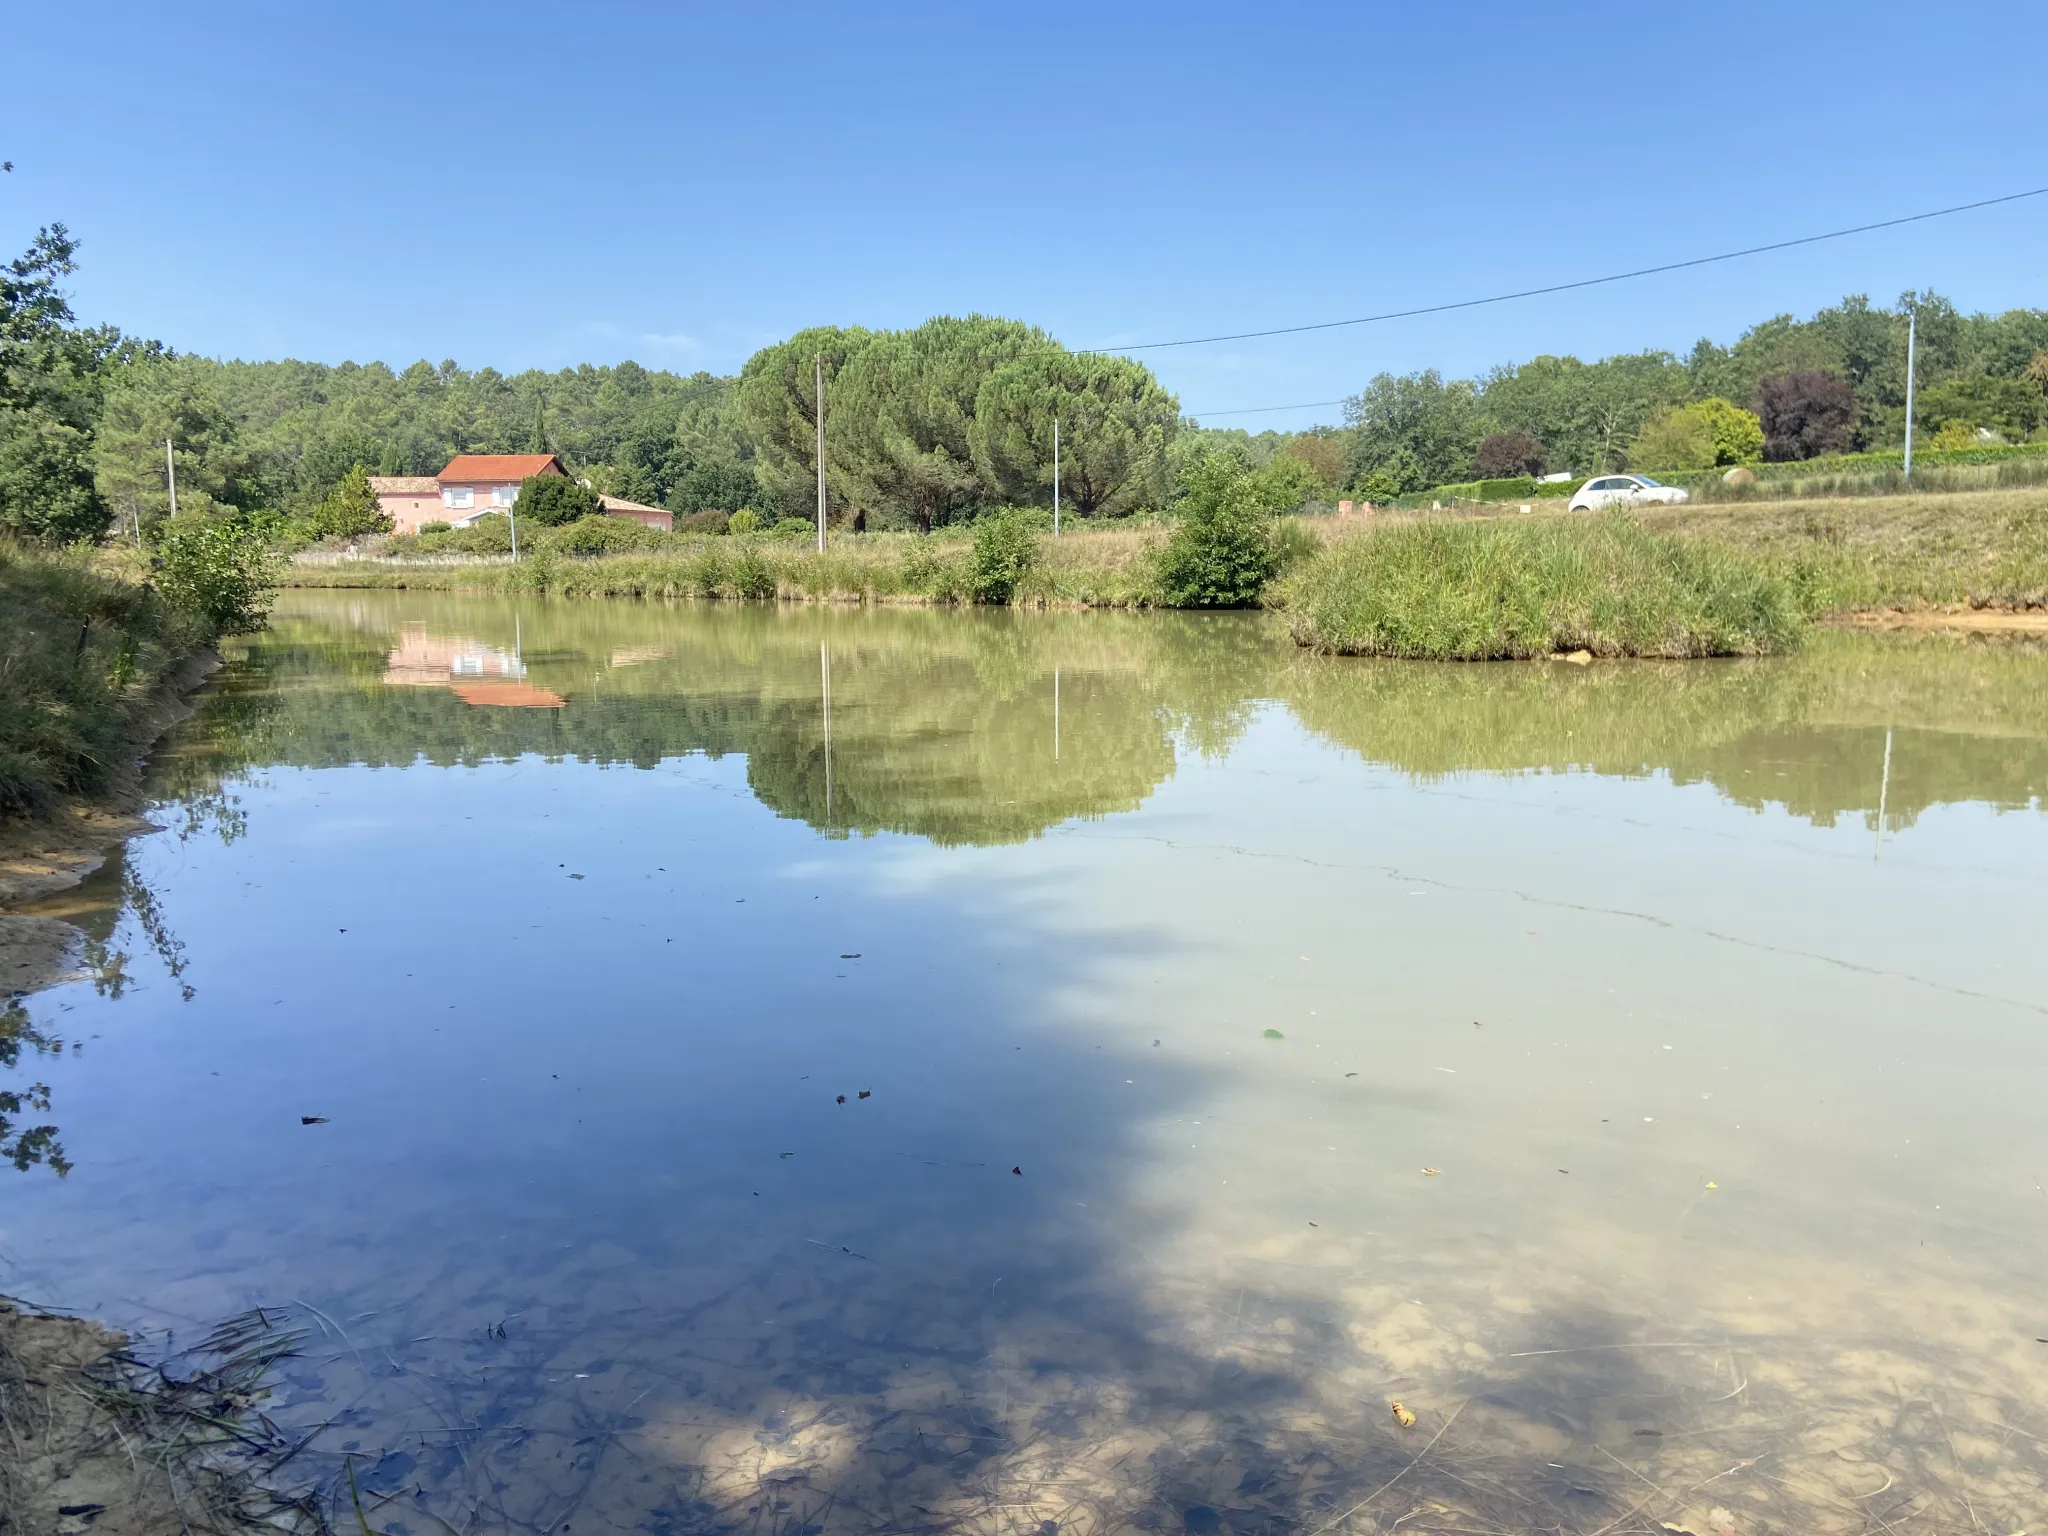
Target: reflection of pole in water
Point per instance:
(1884, 790)
(1055, 714)
(825, 689)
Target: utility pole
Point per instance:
(1055, 477)
(512, 517)
(1912, 326)
(819, 360)
(171, 476)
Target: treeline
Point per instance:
(1834, 383)
(932, 425)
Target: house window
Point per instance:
(453, 497)
(505, 495)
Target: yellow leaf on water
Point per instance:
(1403, 1417)
(1712, 1185)
(1430, 1173)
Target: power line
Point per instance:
(1260, 410)
(1587, 282)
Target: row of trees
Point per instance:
(926, 426)
(1829, 384)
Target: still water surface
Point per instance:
(799, 1070)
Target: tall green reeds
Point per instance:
(1493, 591)
(81, 652)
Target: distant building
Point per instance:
(408, 500)
(475, 485)
(652, 517)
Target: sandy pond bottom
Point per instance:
(1232, 1045)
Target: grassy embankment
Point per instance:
(1092, 567)
(1704, 579)
(1693, 580)
(87, 651)
(1495, 590)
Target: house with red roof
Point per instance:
(474, 485)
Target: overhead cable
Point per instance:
(1585, 282)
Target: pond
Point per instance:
(800, 1070)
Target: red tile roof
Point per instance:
(498, 468)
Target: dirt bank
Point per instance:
(96, 1440)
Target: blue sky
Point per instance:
(526, 185)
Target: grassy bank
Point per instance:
(1976, 549)
(1498, 590)
(1094, 567)
(86, 647)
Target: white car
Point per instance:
(1626, 491)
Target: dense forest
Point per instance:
(927, 426)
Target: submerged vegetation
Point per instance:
(1493, 591)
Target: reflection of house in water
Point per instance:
(476, 673)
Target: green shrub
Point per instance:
(217, 568)
(707, 521)
(1221, 552)
(1498, 590)
(746, 520)
(793, 528)
(437, 527)
(1005, 547)
(549, 501)
(601, 535)
(748, 574)
(351, 510)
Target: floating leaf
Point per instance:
(1403, 1417)
(1274, 1034)
(1430, 1173)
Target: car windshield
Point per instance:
(1644, 480)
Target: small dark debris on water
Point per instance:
(494, 1330)
(1648, 1434)
(1155, 1042)
(312, 1119)
(1018, 1171)
(1351, 1074)
(785, 1154)
(81, 1511)
(575, 877)
(850, 957)
(1564, 1170)
(867, 1093)
(1315, 1223)
(841, 1099)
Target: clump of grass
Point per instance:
(1447, 590)
(82, 651)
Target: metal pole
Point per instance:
(512, 517)
(820, 361)
(1055, 481)
(171, 475)
(825, 687)
(1055, 714)
(1912, 326)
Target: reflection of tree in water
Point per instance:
(943, 723)
(95, 907)
(1806, 733)
(25, 1146)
